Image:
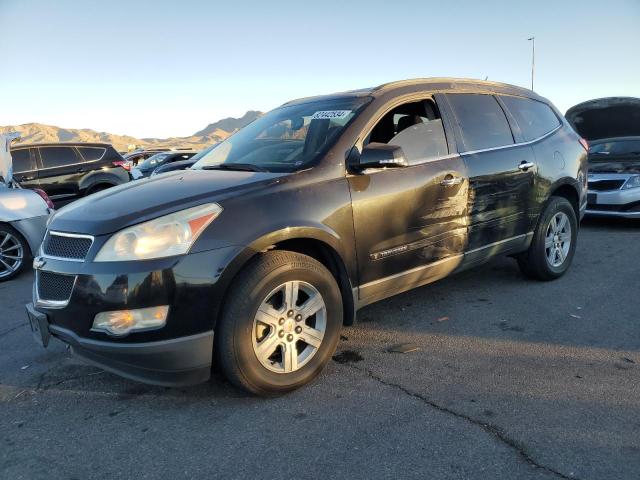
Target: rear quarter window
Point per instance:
(92, 153)
(482, 122)
(534, 118)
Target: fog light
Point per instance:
(123, 322)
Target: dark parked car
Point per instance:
(262, 250)
(182, 165)
(146, 168)
(67, 171)
(612, 128)
(133, 158)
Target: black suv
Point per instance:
(67, 171)
(275, 238)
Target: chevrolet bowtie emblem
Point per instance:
(38, 263)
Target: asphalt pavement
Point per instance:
(507, 378)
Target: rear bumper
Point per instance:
(176, 362)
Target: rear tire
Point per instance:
(280, 324)
(14, 253)
(553, 244)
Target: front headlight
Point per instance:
(632, 182)
(166, 236)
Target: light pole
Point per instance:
(533, 58)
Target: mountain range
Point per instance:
(212, 133)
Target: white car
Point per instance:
(612, 128)
(23, 217)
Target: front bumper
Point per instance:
(614, 203)
(180, 353)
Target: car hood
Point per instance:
(606, 118)
(135, 202)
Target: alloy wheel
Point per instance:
(557, 241)
(289, 326)
(11, 254)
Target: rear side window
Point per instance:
(92, 153)
(22, 160)
(481, 120)
(57, 156)
(534, 118)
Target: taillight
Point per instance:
(45, 197)
(584, 144)
(122, 163)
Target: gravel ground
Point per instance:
(511, 379)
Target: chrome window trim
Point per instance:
(52, 304)
(68, 235)
(69, 164)
(519, 144)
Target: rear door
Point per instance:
(60, 173)
(501, 175)
(25, 169)
(410, 222)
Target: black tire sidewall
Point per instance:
(255, 374)
(556, 205)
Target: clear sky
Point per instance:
(168, 68)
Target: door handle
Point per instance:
(451, 180)
(524, 166)
(26, 178)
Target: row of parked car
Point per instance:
(275, 238)
(68, 171)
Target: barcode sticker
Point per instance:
(330, 114)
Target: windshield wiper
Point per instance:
(242, 167)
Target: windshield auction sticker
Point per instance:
(330, 114)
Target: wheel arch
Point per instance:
(320, 244)
(567, 189)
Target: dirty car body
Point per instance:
(380, 190)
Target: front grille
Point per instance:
(54, 287)
(603, 185)
(67, 246)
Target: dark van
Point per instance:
(273, 240)
(67, 171)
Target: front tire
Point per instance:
(280, 324)
(14, 253)
(554, 242)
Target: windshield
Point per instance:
(619, 147)
(286, 139)
(154, 160)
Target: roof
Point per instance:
(433, 84)
(59, 144)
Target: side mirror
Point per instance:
(381, 155)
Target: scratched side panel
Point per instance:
(404, 218)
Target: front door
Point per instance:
(501, 175)
(25, 169)
(410, 222)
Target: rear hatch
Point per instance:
(608, 118)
